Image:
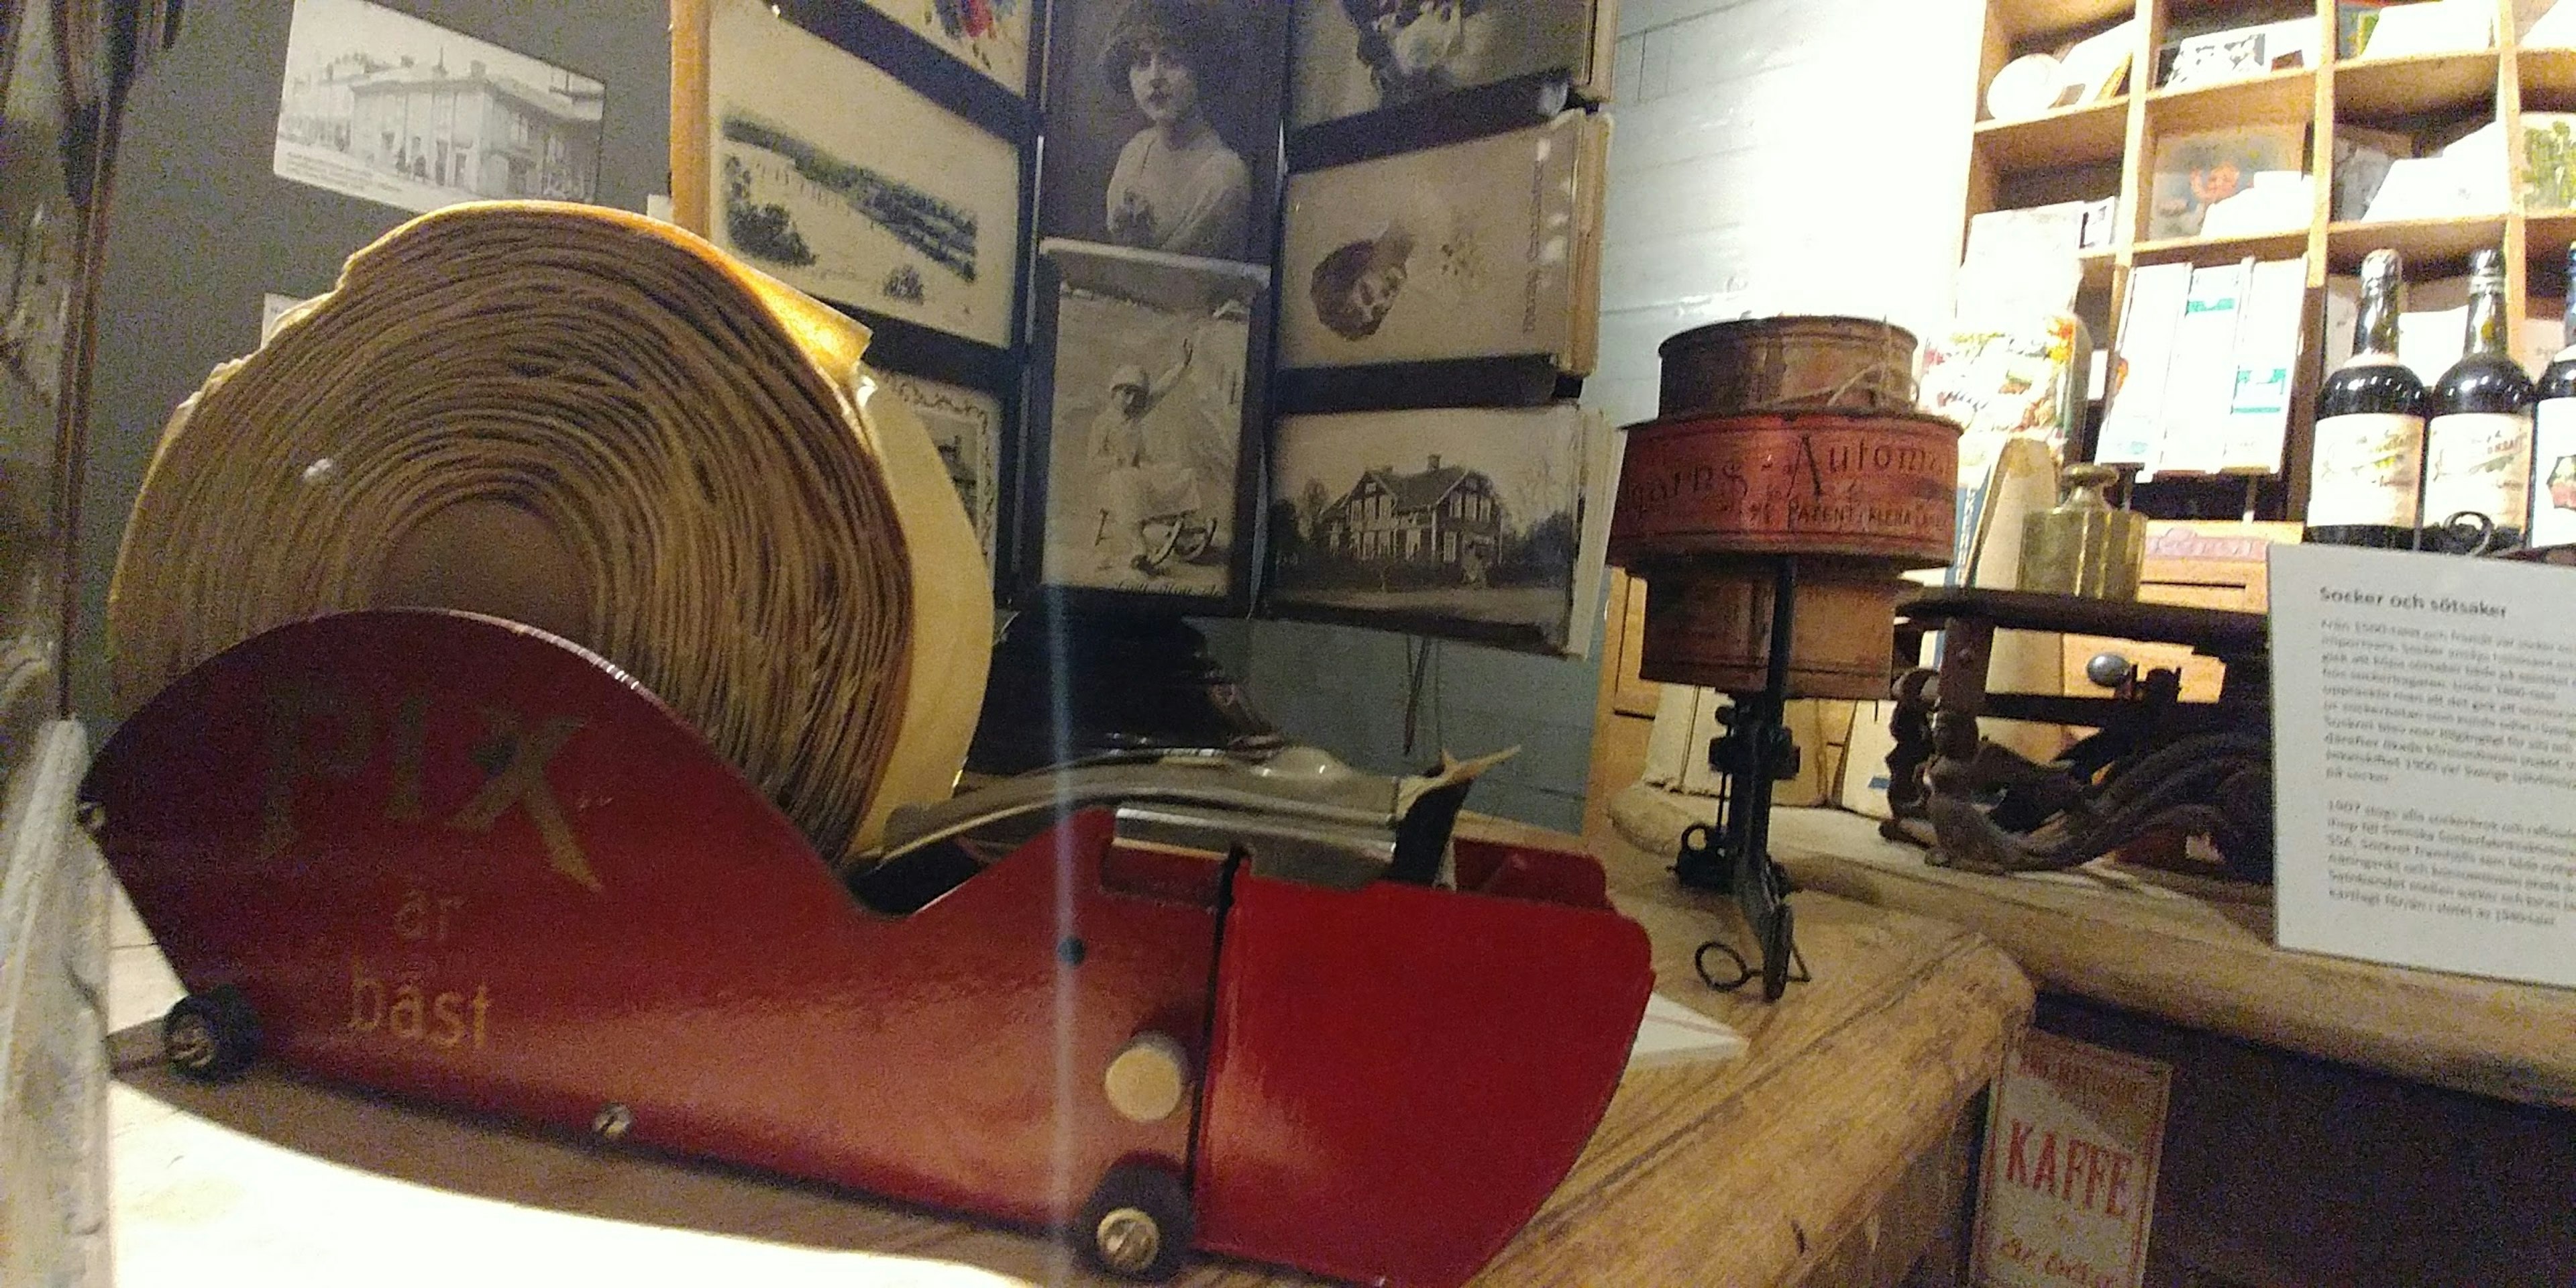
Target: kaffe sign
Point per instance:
(2070, 1170)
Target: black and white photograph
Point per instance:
(1476, 250)
(382, 106)
(1162, 125)
(966, 426)
(1472, 518)
(1145, 438)
(1355, 56)
(840, 180)
(991, 36)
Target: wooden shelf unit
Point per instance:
(2072, 136)
(2072, 151)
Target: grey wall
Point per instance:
(1768, 156)
(199, 230)
(1344, 690)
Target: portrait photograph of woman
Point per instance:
(1480, 249)
(1161, 128)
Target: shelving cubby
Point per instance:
(2105, 149)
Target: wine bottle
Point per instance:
(2366, 474)
(2477, 447)
(2553, 485)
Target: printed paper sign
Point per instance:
(2425, 754)
(2070, 1171)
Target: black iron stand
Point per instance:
(1734, 856)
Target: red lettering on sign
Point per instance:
(2089, 1175)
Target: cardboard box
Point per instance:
(1862, 785)
(2199, 563)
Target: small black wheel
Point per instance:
(211, 1036)
(1137, 1224)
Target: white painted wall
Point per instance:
(1780, 156)
(1769, 156)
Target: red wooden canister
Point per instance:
(1823, 483)
(1706, 502)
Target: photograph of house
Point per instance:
(1463, 521)
(1443, 518)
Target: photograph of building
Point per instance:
(1442, 517)
(1464, 518)
(381, 105)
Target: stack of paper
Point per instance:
(2209, 353)
(1672, 1033)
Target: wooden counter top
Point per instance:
(1829, 1155)
(2197, 953)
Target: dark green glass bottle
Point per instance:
(2366, 469)
(2477, 447)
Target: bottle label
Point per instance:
(2553, 467)
(2365, 470)
(2478, 461)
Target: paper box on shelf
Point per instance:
(2197, 169)
(2239, 52)
(2548, 161)
(2435, 27)
(2361, 160)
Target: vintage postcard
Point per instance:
(966, 425)
(2197, 170)
(1355, 56)
(991, 36)
(1162, 128)
(1145, 438)
(382, 106)
(1477, 250)
(1469, 521)
(843, 182)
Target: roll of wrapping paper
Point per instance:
(602, 426)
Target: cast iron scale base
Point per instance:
(1733, 856)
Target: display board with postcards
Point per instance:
(1438, 304)
(877, 157)
(1149, 360)
(1064, 222)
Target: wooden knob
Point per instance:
(1149, 1079)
